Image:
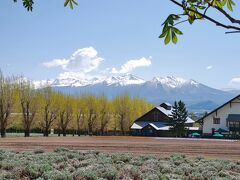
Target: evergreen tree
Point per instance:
(179, 117)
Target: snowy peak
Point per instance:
(75, 82)
(173, 82)
(121, 80)
(124, 80)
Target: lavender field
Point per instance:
(64, 164)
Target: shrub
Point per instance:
(64, 164)
(85, 173)
(57, 175)
(38, 151)
(121, 157)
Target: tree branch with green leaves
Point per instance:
(28, 4)
(194, 10)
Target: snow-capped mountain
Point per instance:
(173, 82)
(156, 90)
(124, 80)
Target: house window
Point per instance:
(216, 120)
(233, 124)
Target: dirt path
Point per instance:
(138, 145)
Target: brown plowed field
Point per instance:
(219, 149)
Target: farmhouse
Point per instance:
(157, 122)
(224, 120)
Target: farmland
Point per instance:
(64, 164)
(213, 149)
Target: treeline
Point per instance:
(23, 107)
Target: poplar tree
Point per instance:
(49, 109)
(29, 104)
(65, 113)
(7, 99)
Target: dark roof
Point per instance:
(155, 108)
(233, 117)
(238, 96)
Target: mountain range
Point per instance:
(197, 96)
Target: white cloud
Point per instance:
(83, 63)
(235, 82)
(132, 64)
(83, 60)
(71, 75)
(56, 63)
(209, 67)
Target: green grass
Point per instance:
(63, 164)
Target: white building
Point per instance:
(225, 119)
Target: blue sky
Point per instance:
(119, 31)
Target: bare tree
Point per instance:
(28, 100)
(105, 118)
(92, 117)
(80, 119)
(7, 90)
(91, 106)
(122, 111)
(104, 113)
(65, 116)
(50, 111)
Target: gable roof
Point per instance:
(139, 124)
(153, 109)
(233, 117)
(168, 104)
(237, 97)
(156, 125)
(159, 126)
(189, 121)
(164, 111)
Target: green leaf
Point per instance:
(219, 4)
(177, 31)
(233, 3)
(202, 7)
(199, 16)
(66, 3)
(224, 2)
(74, 1)
(168, 37)
(174, 38)
(70, 3)
(230, 3)
(165, 28)
(28, 4)
(163, 34)
(229, 6)
(191, 19)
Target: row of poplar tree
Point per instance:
(23, 107)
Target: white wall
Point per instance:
(222, 114)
